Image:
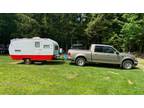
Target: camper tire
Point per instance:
(27, 61)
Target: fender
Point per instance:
(125, 58)
(80, 55)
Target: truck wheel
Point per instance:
(127, 64)
(80, 61)
(27, 61)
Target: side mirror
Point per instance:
(117, 53)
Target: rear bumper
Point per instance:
(70, 59)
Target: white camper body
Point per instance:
(36, 48)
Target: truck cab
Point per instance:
(104, 54)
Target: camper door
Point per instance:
(38, 47)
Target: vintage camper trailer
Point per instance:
(33, 49)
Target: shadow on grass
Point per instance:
(45, 62)
(101, 65)
(60, 62)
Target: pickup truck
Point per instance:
(99, 53)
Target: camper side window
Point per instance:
(46, 46)
(37, 44)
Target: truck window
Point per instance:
(37, 44)
(108, 49)
(99, 49)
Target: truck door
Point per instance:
(110, 55)
(97, 55)
(105, 54)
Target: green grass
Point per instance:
(63, 78)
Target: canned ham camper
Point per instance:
(33, 49)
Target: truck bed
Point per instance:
(73, 53)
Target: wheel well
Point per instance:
(80, 57)
(128, 59)
(26, 58)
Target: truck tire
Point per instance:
(127, 64)
(27, 61)
(80, 61)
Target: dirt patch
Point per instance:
(15, 62)
(141, 64)
(113, 72)
(107, 78)
(130, 82)
(71, 76)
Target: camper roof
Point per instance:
(35, 38)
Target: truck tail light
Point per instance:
(69, 54)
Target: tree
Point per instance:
(7, 27)
(123, 31)
(26, 26)
(131, 31)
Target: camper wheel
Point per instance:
(27, 61)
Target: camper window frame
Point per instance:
(47, 46)
(37, 44)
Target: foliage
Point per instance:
(132, 31)
(123, 31)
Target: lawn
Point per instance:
(64, 78)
